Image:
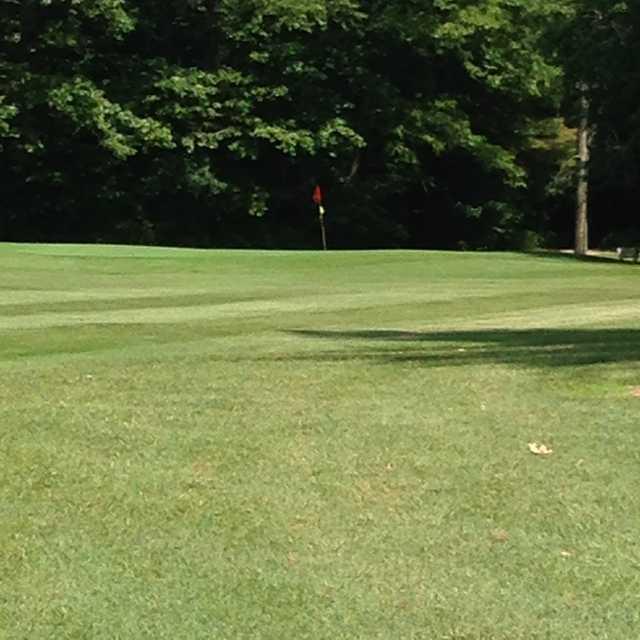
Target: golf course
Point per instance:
(218, 444)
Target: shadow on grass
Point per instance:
(527, 347)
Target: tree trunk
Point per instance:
(355, 166)
(582, 196)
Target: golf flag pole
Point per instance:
(317, 198)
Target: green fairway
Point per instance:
(272, 445)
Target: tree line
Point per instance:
(427, 123)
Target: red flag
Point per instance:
(317, 195)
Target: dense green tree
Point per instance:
(599, 45)
(209, 121)
(448, 112)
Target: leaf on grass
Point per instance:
(540, 449)
(635, 392)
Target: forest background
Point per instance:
(427, 123)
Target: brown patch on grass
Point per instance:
(202, 473)
(500, 536)
(201, 467)
(378, 491)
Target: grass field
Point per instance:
(203, 445)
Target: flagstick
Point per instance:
(317, 198)
(324, 233)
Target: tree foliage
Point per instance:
(209, 121)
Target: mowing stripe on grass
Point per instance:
(252, 445)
